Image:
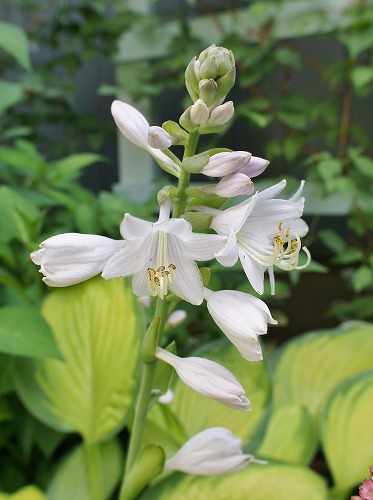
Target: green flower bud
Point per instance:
(221, 114)
(207, 52)
(192, 77)
(199, 112)
(186, 122)
(209, 68)
(225, 83)
(207, 90)
(225, 60)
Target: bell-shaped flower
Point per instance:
(263, 232)
(135, 128)
(161, 256)
(208, 378)
(70, 258)
(242, 318)
(212, 452)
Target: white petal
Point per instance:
(228, 255)
(71, 258)
(236, 184)
(298, 193)
(158, 138)
(234, 217)
(131, 123)
(204, 246)
(187, 281)
(255, 166)
(225, 163)
(132, 227)
(272, 191)
(253, 271)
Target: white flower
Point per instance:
(230, 162)
(159, 138)
(161, 256)
(199, 112)
(208, 378)
(237, 184)
(135, 128)
(221, 114)
(242, 318)
(263, 232)
(70, 258)
(212, 452)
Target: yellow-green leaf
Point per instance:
(97, 327)
(347, 432)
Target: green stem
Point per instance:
(93, 459)
(184, 178)
(142, 403)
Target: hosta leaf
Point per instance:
(26, 493)
(14, 41)
(96, 325)
(312, 365)
(291, 436)
(71, 478)
(255, 482)
(347, 432)
(23, 332)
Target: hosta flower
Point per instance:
(230, 162)
(237, 184)
(70, 258)
(242, 318)
(263, 232)
(135, 128)
(208, 378)
(161, 256)
(212, 452)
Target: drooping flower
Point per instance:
(230, 162)
(242, 318)
(208, 378)
(135, 128)
(263, 232)
(70, 258)
(212, 452)
(161, 256)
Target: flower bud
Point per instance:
(208, 378)
(221, 114)
(226, 163)
(207, 90)
(199, 112)
(178, 135)
(237, 184)
(212, 452)
(211, 50)
(186, 121)
(209, 68)
(176, 318)
(159, 138)
(192, 77)
(225, 83)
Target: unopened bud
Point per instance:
(237, 184)
(199, 112)
(176, 318)
(159, 138)
(207, 91)
(222, 164)
(192, 77)
(225, 83)
(207, 52)
(209, 68)
(221, 114)
(186, 122)
(178, 135)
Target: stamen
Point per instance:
(159, 279)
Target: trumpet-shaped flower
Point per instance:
(136, 129)
(70, 258)
(208, 378)
(237, 184)
(263, 232)
(212, 452)
(242, 318)
(161, 256)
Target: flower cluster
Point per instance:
(262, 232)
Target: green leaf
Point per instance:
(298, 440)
(347, 432)
(26, 493)
(332, 240)
(310, 366)
(14, 41)
(254, 482)
(10, 94)
(362, 278)
(18, 216)
(329, 168)
(363, 164)
(71, 166)
(98, 327)
(71, 478)
(361, 76)
(23, 332)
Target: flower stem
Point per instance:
(184, 178)
(142, 403)
(94, 473)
